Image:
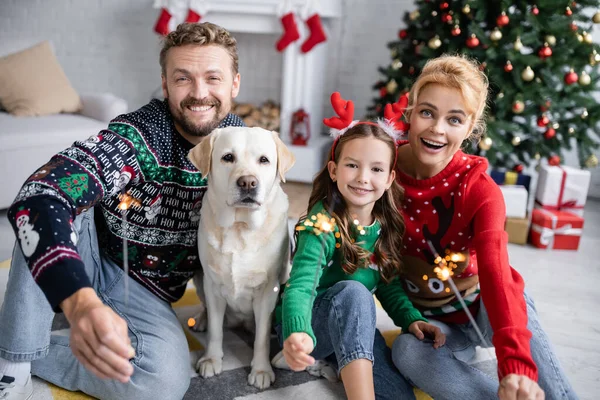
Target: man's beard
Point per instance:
(191, 128)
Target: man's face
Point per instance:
(200, 87)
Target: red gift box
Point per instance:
(552, 229)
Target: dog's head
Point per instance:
(243, 164)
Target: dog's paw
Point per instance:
(261, 379)
(324, 369)
(200, 322)
(208, 367)
(279, 361)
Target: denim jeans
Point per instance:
(344, 323)
(161, 363)
(445, 374)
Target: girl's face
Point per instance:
(363, 174)
(439, 123)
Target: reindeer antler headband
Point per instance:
(392, 123)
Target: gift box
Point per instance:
(517, 229)
(562, 188)
(515, 198)
(510, 178)
(555, 229)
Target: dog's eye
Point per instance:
(228, 158)
(263, 160)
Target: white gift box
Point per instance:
(562, 188)
(515, 198)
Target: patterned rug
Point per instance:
(232, 382)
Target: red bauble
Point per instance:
(568, 12)
(446, 18)
(554, 160)
(402, 34)
(571, 78)
(535, 10)
(574, 26)
(411, 70)
(542, 121)
(382, 92)
(550, 133)
(455, 31)
(502, 20)
(508, 67)
(518, 168)
(444, 6)
(378, 108)
(472, 42)
(545, 52)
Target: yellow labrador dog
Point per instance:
(243, 240)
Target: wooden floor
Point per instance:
(564, 284)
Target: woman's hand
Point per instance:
(422, 328)
(296, 350)
(519, 387)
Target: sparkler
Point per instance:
(445, 270)
(126, 202)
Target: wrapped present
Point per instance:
(515, 198)
(562, 188)
(553, 229)
(517, 229)
(510, 178)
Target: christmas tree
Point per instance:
(541, 62)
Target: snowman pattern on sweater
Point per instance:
(27, 235)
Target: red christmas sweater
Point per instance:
(461, 210)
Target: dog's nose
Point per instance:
(247, 182)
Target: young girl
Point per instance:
(451, 202)
(350, 241)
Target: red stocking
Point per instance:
(317, 34)
(290, 31)
(162, 24)
(193, 16)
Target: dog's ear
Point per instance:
(201, 154)
(285, 158)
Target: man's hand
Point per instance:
(296, 350)
(99, 337)
(519, 387)
(422, 328)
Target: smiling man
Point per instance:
(123, 344)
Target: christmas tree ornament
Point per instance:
(486, 143)
(434, 13)
(516, 140)
(571, 130)
(393, 53)
(594, 58)
(496, 35)
(502, 20)
(414, 15)
(447, 18)
(403, 33)
(527, 75)
(550, 39)
(545, 51)
(587, 38)
(579, 38)
(535, 10)
(518, 107)
(392, 86)
(472, 42)
(455, 31)
(584, 113)
(596, 18)
(550, 133)
(500, 95)
(518, 168)
(444, 5)
(316, 33)
(543, 120)
(574, 27)
(290, 31)
(554, 160)
(434, 42)
(383, 91)
(584, 79)
(411, 70)
(466, 9)
(556, 125)
(508, 66)
(396, 64)
(568, 12)
(518, 45)
(571, 77)
(591, 161)
(537, 156)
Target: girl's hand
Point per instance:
(296, 350)
(422, 328)
(519, 387)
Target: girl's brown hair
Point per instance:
(385, 210)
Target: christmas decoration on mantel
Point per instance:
(542, 65)
(195, 10)
(310, 14)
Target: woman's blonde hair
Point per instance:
(458, 72)
(386, 211)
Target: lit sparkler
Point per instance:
(126, 202)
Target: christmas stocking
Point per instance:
(162, 24)
(196, 9)
(317, 34)
(290, 31)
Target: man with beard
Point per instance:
(125, 340)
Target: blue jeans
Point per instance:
(445, 374)
(161, 363)
(344, 323)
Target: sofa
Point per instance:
(26, 143)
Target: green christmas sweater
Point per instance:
(141, 159)
(318, 256)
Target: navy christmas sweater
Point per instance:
(140, 159)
